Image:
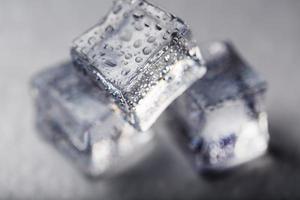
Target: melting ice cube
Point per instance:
(224, 111)
(142, 56)
(78, 118)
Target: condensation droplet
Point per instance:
(94, 56)
(126, 35)
(91, 40)
(165, 17)
(166, 36)
(147, 50)
(125, 72)
(110, 63)
(109, 29)
(84, 50)
(138, 59)
(125, 14)
(107, 47)
(137, 43)
(158, 27)
(147, 24)
(138, 27)
(151, 39)
(141, 3)
(138, 14)
(117, 9)
(128, 56)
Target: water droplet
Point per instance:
(147, 24)
(110, 63)
(139, 26)
(107, 47)
(84, 50)
(141, 3)
(151, 39)
(147, 50)
(175, 38)
(158, 27)
(109, 29)
(166, 36)
(128, 56)
(117, 9)
(126, 35)
(126, 14)
(137, 43)
(125, 72)
(138, 14)
(94, 56)
(138, 59)
(91, 40)
(165, 17)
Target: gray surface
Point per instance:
(36, 34)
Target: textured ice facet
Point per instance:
(224, 111)
(141, 55)
(77, 117)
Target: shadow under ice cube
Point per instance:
(78, 118)
(142, 55)
(224, 111)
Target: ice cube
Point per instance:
(77, 117)
(224, 112)
(142, 56)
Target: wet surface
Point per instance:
(35, 35)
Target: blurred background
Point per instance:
(37, 34)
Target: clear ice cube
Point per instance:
(224, 112)
(142, 56)
(77, 117)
